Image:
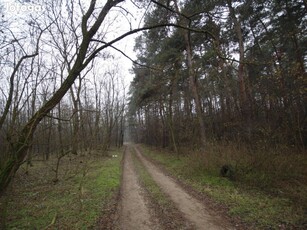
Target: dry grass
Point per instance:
(268, 189)
(281, 171)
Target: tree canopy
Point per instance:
(239, 66)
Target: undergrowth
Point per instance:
(86, 183)
(268, 188)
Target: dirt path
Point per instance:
(192, 209)
(134, 213)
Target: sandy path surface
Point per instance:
(134, 213)
(192, 209)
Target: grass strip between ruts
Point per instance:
(253, 206)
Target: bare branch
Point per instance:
(171, 10)
(125, 55)
(107, 44)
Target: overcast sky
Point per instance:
(124, 23)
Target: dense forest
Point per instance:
(227, 71)
(205, 71)
(62, 91)
(216, 114)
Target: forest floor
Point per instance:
(140, 187)
(242, 205)
(174, 208)
(160, 190)
(87, 187)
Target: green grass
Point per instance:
(149, 184)
(251, 204)
(86, 185)
(165, 210)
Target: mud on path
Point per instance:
(135, 214)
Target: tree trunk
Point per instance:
(19, 149)
(245, 107)
(193, 81)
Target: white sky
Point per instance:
(126, 45)
(131, 20)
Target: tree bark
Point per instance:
(241, 75)
(193, 80)
(244, 103)
(19, 148)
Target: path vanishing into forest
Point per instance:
(137, 214)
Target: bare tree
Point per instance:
(89, 28)
(113, 105)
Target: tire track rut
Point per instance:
(134, 212)
(192, 209)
